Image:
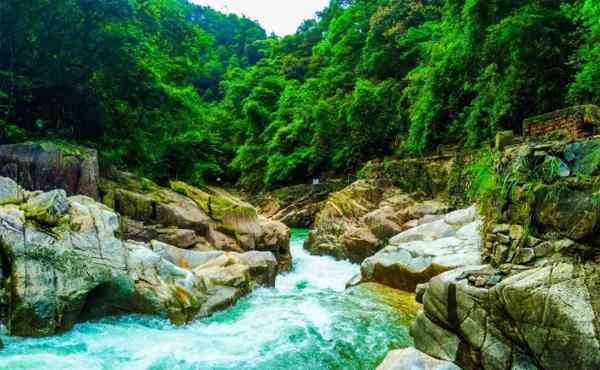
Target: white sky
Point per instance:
(280, 16)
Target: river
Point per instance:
(308, 321)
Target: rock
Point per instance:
(193, 218)
(524, 256)
(504, 139)
(462, 216)
(420, 292)
(119, 277)
(544, 249)
(275, 238)
(501, 229)
(142, 200)
(342, 215)
(429, 207)
(60, 274)
(470, 231)
(500, 255)
(357, 221)
(10, 192)
(182, 238)
(426, 232)
(262, 266)
(516, 232)
(412, 359)
(383, 222)
(439, 342)
(563, 246)
(536, 318)
(48, 166)
(47, 208)
(406, 265)
(359, 244)
(416, 255)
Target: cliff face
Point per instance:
(48, 166)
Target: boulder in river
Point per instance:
(544, 317)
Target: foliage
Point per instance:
(171, 89)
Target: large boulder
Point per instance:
(544, 317)
(55, 275)
(412, 359)
(418, 254)
(48, 166)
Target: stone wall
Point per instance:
(573, 122)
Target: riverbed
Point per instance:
(308, 321)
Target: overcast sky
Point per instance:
(280, 16)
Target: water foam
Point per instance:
(307, 321)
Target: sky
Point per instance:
(279, 16)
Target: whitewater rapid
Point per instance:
(308, 321)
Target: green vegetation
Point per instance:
(172, 90)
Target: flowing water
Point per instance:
(308, 321)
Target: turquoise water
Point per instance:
(307, 322)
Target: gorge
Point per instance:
(398, 185)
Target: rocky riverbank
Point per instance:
(178, 252)
(535, 304)
(506, 284)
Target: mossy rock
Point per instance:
(574, 213)
(504, 139)
(586, 157)
(217, 203)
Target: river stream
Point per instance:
(308, 321)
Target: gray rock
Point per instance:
(542, 317)
(47, 166)
(462, 216)
(416, 255)
(47, 208)
(10, 192)
(412, 359)
(80, 270)
(431, 231)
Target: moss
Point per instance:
(216, 203)
(589, 162)
(66, 148)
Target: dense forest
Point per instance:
(174, 90)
